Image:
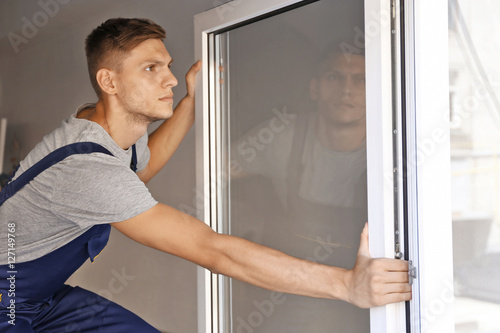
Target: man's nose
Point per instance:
(169, 79)
(347, 86)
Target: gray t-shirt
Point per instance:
(75, 194)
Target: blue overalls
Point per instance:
(42, 302)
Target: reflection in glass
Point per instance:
(475, 142)
(295, 133)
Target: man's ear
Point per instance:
(313, 89)
(105, 79)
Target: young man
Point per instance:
(78, 181)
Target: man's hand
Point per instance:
(375, 282)
(190, 78)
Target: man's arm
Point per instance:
(371, 282)
(165, 140)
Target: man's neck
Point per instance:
(340, 137)
(117, 123)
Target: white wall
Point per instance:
(46, 80)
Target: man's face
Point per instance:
(340, 90)
(145, 82)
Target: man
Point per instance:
(317, 166)
(82, 183)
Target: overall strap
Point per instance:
(54, 157)
(133, 163)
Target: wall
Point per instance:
(43, 79)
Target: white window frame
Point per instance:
(430, 230)
(429, 144)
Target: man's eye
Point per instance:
(150, 68)
(333, 77)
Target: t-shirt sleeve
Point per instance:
(97, 189)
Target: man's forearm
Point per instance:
(274, 270)
(172, 231)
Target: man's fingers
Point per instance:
(393, 265)
(364, 250)
(394, 293)
(396, 298)
(191, 76)
(390, 288)
(395, 277)
(194, 68)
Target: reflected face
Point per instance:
(145, 82)
(340, 90)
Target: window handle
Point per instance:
(412, 272)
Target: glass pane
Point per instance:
(475, 142)
(293, 128)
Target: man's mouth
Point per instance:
(345, 105)
(167, 98)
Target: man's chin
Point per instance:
(164, 115)
(170, 113)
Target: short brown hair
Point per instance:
(109, 43)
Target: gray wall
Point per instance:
(45, 80)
